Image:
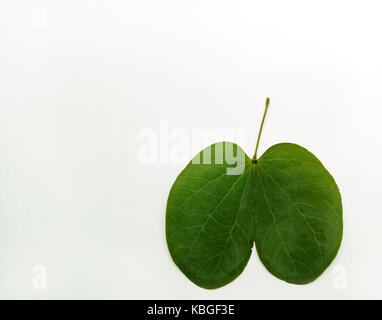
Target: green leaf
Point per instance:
(223, 201)
(210, 214)
(298, 219)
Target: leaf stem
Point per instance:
(261, 129)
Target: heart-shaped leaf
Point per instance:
(223, 201)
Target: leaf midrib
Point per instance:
(229, 237)
(209, 217)
(302, 215)
(283, 242)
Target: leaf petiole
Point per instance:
(261, 129)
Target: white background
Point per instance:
(80, 80)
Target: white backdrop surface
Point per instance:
(81, 82)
